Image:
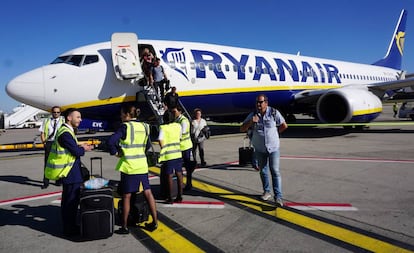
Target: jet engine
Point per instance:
(348, 105)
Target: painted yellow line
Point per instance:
(339, 233)
(167, 237)
(171, 240)
(19, 146)
(333, 231)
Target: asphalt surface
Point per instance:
(345, 191)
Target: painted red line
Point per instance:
(124, 45)
(28, 197)
(362, 159)
(187, 202)
(317, 204)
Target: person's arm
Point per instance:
(161, 138)
(248, 123)
(66, 140)
(113, 142)
(42, 132)
(282, 127)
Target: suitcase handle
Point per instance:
(244, 141)
(96, 158)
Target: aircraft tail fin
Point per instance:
(393, 58)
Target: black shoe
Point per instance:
(188, 188)
(122, 231)
(152, 226)
(44, 186)
(178, 200)
(168, 201)
(203, 163)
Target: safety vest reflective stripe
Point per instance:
(46, 125)
(185, 141)
(171, 148)
(134, 156)
(60, 160)
(134, 160)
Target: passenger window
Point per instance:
(90, 59)
(192, 65)
(210, 66)
(202, 66)
(218, 67)
(227, 67)
(234, 68)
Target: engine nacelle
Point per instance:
(348, 105)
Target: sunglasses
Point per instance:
(260, 101)
(56, 112)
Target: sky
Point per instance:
(34, 33)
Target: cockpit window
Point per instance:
(60, 59)
(76, 60)
(90, 59)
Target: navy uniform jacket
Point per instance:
(66, 140)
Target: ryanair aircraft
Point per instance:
(221, 80)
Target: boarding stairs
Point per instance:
(21, 114)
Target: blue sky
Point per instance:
(33, 33)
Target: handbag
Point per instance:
(85, 173)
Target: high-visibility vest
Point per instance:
(60, 160)
(185, 141)
(46, 126)
(134, 160)
(171, 148)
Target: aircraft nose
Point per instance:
(28, 88)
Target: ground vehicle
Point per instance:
(406, 110)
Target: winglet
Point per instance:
(393, 58)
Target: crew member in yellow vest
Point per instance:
(48, 131)
(130, 143)
(170, 157)
(64, 164)
(186, 145)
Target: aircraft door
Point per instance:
(125, 57)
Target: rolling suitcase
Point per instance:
(245, 153)
(97, 211)
(139, 209)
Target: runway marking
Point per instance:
(337, 232)
(29, 198)
(196, 204)
(171, 237)
(321, 206)
(345, 159)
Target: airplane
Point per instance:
(222, 80)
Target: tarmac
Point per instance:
(344, 191)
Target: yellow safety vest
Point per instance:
(60, 160)
(46, 126)
(185, 141)
(171, 148)
(134, 160)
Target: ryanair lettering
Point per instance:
(276, 69)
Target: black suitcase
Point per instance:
(139, 209)
(245, 154)
(97, 211)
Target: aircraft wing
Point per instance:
(381, 88)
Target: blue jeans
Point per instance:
(266, 161)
